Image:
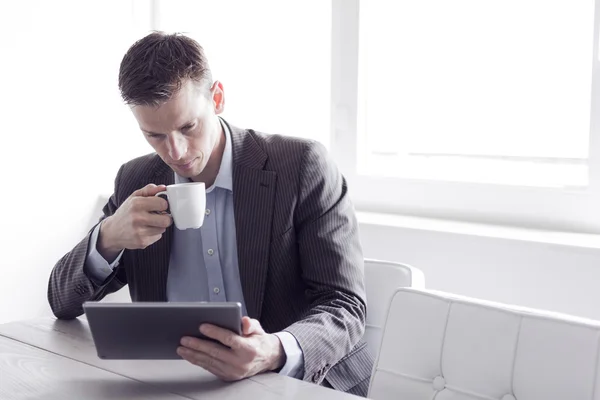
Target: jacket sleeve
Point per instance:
(332, 266)
(69, 286)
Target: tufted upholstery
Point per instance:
(382, 278)
(446, 347)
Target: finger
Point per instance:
(149, 190)
(216, 367)
(191, 356)
(251, 326)
(152, 204)
(149, 240)
(145, 189)
(246, 326)
(212, 349)
(153, 231)
(225, 336)
(159, 220)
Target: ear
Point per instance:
(218, 97)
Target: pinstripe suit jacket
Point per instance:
(300, 260)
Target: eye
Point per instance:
(154, 136)
(188, 127)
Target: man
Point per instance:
(280, 234)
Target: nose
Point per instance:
(177, 147)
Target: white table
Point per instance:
(51, 359)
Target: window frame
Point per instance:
(570, 209)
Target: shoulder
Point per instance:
(290, 152)
(141, 168)
(137, 173)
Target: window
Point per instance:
(273, 58)
(470, 109)
(482, 110)
(480, 91)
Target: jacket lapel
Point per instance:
(253, 205)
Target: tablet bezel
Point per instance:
(152, 330)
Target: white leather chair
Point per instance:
(446, 347)
(382, 278)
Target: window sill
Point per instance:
(570, 239)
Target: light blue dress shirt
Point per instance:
(203, 264)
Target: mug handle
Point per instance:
(168, 210)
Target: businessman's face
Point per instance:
(185, 130)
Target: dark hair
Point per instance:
(154, 68)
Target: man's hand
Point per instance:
(134, 225)
(234, 357)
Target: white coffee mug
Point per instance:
(187, 204)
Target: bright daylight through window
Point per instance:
(477, 91)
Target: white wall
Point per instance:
(63, 132)
(548, 276)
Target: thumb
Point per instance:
(149, 190)
(251, 327)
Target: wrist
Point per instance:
(105, 245)
(278, 357)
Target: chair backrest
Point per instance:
(382, 278)
(442, 346)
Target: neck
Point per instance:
(210, 172)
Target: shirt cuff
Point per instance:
(97, 268)
(294, 364)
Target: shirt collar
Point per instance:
(224, 177)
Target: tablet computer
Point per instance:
(152, 331)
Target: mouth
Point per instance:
(185, 166)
